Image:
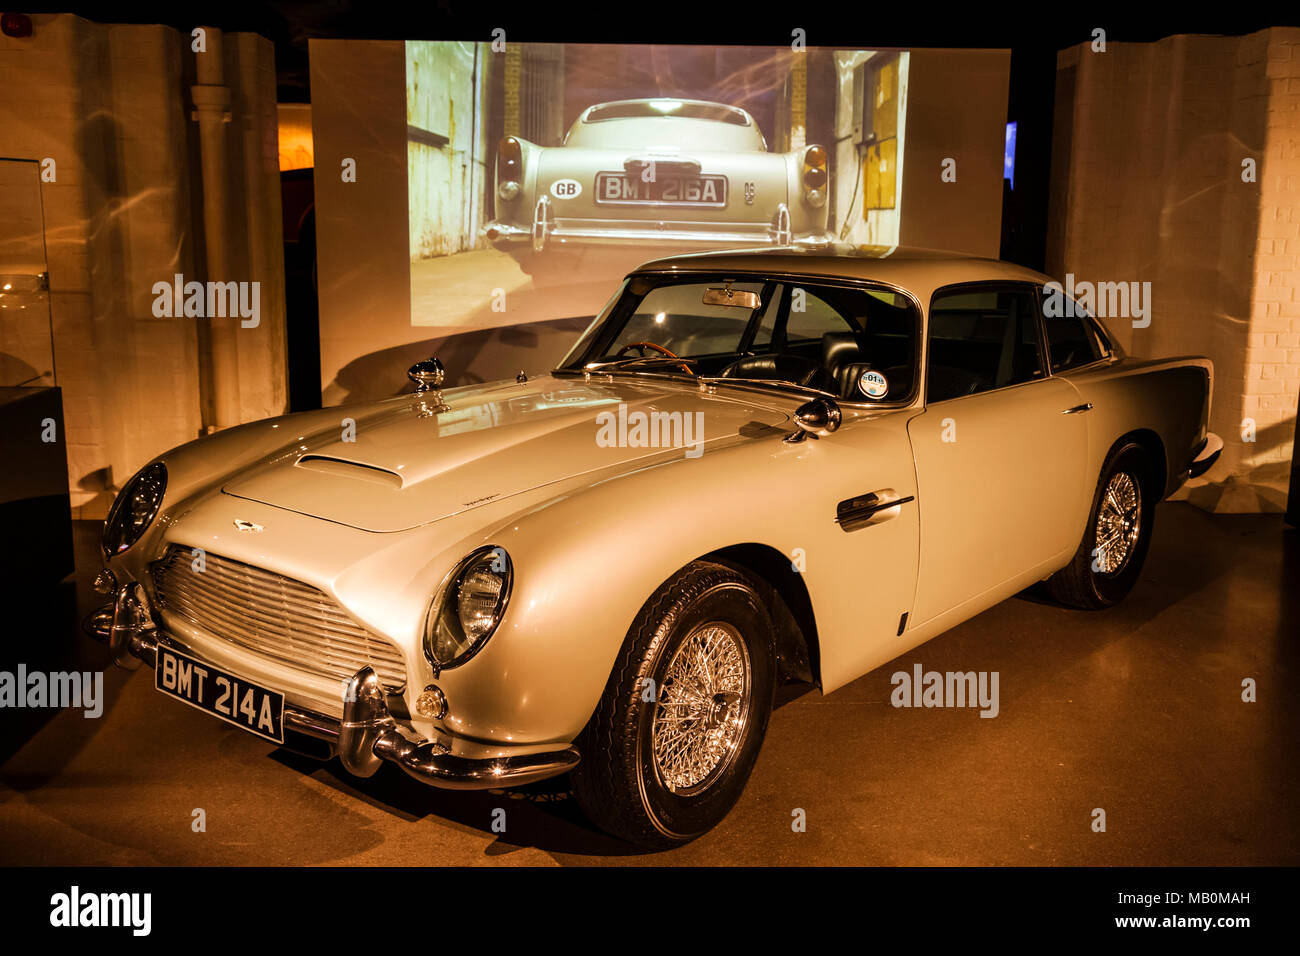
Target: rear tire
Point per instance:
(1107, 565)
(663, 763)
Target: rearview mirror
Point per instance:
(731, 297)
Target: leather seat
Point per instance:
(789, 368)
(841, 351)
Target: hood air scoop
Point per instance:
(350, 469)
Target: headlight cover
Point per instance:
(135, 508)
(469, 607)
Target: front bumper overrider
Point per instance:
(366, 737)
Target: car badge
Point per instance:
(749, 194)
(252, 527)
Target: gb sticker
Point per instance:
(873, 384)
(566, 189)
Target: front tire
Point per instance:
(1115, 541)
(677, 731)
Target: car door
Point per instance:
(999, 450)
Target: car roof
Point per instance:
(917, 270)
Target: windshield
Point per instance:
(856, 342)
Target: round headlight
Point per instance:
(469, 608)
(135, 508)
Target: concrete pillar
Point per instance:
(219, 368)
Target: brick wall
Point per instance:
(1149, 141)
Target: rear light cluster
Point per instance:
(510, 168)
(815, 176)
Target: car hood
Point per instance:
(410, 461)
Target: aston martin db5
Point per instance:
(655, 172)
(753, 467)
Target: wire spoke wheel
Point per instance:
(702, 709)
(1119, 523)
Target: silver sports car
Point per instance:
(752, 467)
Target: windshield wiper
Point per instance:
(616, 364)
(778, 382)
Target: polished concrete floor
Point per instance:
(1136, 711)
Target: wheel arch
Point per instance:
(1150, 442)
(792, 613)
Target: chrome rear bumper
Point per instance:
(1206, 456)
(548, 230)
(366, 737)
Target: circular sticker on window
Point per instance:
(873, 384)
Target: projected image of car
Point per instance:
(656, 172)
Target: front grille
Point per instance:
(273, 616)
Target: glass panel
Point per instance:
(26, 346)
(1070, 338)
(981, 340)
(675, 317)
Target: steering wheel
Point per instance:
(642, 346)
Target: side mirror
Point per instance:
(817, 418)
(427, 375)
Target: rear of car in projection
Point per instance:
(752, 467)
(655, 172)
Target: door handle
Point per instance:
(872, 508)
(1086, 406)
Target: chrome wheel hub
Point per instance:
(1119, 524)
(702, 709)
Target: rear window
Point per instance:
(660, 108)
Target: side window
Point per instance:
(981, 339)
(1071, 339)
(814, 319)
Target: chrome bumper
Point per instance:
(548, 230)
(366, 737)
(1206, 456)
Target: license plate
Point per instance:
(235, 700)
(664, 191)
